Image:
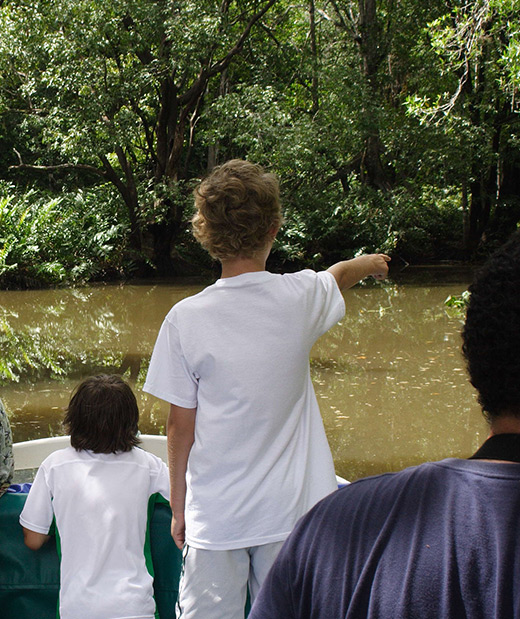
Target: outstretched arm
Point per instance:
(350, 272)
(181, 434)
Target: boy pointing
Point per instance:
(248, 454)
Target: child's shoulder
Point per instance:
(193, 300)
(59, 457)
(309, 280)
(147, 458)
(297, 285)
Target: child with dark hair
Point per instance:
(98, 491)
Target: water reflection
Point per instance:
(52, 339)
(390, 378)
(392, 384)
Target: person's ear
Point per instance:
(273, 231)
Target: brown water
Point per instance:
(390, 378)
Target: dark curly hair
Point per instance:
(238, 206)
(103, 415)
(491, 335)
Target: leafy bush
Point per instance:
(427, 223)
(325, 225)
(48, 240)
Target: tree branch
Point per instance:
(199, 84)
(61, 166)
(148, 132)
(351, 26)
(145, 55)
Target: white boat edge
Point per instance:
(30, 454)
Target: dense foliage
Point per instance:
(393, 125)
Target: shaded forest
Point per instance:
(392, 125)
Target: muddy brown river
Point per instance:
(390, 378)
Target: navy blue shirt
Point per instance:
(439, 541)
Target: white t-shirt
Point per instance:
(100, 502)
(239, 352)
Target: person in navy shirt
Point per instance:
(437, 540)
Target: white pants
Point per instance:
(214, 582)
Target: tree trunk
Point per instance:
(465, 215)
(128, 192)
(314, 58)
(163, 233)
(373, 48)
(177, 109)
(372, 170)
(483, 194)
(506, 215)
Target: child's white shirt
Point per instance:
(238, 352)
(100, 502)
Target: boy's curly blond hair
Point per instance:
(238, 208)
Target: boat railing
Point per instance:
(30, 454)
